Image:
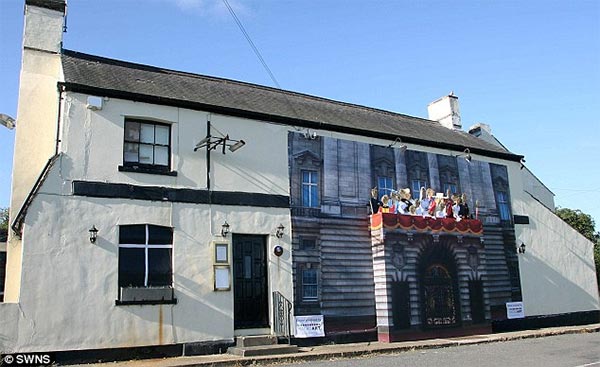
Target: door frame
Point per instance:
(265, 313)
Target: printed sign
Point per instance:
(515, 310)
(309, 326)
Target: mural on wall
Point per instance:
(439, 226)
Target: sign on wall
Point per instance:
(309, 326)
(515, 310)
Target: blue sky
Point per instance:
(530, 69)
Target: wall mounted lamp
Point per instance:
(467, 154)
(7, 121)
(402, 147)
(312, 135)
(521, 249)
(93, 234)
(225, 229)
(279, 232)
(522, 161)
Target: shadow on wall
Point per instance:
(550, 287)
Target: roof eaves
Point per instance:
(82, 88)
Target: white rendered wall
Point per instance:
(557, 270)
(37, 114)
(537, 189)
(93, 140)
(70, 285)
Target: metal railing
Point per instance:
(282, 315)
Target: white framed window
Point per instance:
(451, 187)
(145, 256)
(416, 187)
(503, 205)
(310, 189)
(310, 284)
(385, 186)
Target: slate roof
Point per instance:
(113, 78)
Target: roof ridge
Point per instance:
(153, 68)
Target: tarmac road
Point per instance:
(571, 350)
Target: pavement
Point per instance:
(337, 351)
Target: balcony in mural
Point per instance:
(429, 225)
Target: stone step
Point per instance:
(255, 340)
(263, 350)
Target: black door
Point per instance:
(477, 305)
(401, 305)
(250, 282)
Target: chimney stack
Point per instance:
(44, 25)
(445, 111)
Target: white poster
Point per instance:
(309, 326)
(222, 282)
(515, 310)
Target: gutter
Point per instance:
(113, 93)
(17, 225)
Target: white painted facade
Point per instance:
(61, 289)
(557, 269)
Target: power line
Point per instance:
(254, 48)
(578, 190)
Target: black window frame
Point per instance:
(146, 293)
(130, 166)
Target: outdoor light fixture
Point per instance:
(279, 232)
(225, 229)
(7, 121)
(467, 154)
(522, 161)
(402, 147)
(310, 135)
(93, 234)
(521, 249)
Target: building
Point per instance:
(158, 208)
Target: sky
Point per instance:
(530, 69)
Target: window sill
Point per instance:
(146, 296)
(141, 302)
(148, 170)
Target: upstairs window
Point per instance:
(416, 188)
(385, 186)
(503, 206)
(450, 187)
(147, 144)
(310, 189)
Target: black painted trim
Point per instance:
(160, 193)
(129, 303)
(112, 93)
(543, 321)
(149, 170)
(69, 357)
(57, 5)
(17, 225)
(521, 219)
